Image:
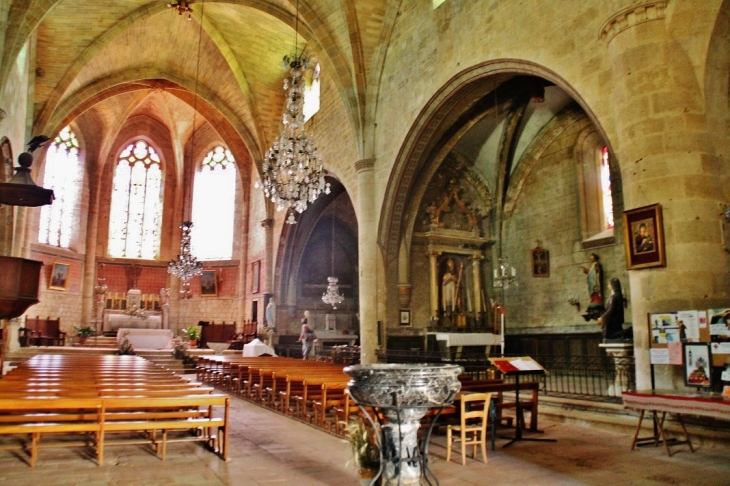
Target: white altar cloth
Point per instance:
(257, 348)
(467, 338)
(117, 321)
(147, 338)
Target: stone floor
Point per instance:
(269, 449)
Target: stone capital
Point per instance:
(631, 16)
(364, 164)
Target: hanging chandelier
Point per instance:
(186, 266)
(333, 295)
(293, 173)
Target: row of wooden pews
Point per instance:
(311, 391)
(102, 401)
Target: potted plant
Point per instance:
(364, 442)
(192, 334)
(84, 332)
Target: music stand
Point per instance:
(517, 367)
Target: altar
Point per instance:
(113, 322)
(146, 338)
(449, 340)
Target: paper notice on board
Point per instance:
(688, 323)
(659, 356)
(675, 353)
(720, 348)
(703, 319)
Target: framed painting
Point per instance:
(644, 237)
(255, 277)
(405, 317)
(209, 283)
(59, 276)
(540, 262)
(697, 364)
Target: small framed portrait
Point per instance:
(644, 237)
(405, 317)
(697, 364)
(255, 277)
(209, 283)
(540, 262)
(59, 276)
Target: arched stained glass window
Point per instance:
(214, 206)
(136, 209)
(63, 175)
(606, 194)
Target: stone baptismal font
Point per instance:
(403, 393)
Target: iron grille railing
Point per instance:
(595, 377)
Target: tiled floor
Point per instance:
(269, 449)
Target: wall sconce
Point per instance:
(573, 300)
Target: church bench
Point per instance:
(35, 418)
(41, 332)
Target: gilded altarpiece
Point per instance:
(450, 234)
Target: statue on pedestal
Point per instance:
(165, 307)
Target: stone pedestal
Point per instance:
(403, 393)
(621, 355)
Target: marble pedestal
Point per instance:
(621, 355)
(403, 393)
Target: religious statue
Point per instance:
(165, 307)
(450, 286)
(594, 279)
(270, 321)
(611, 322)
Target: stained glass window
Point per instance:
(606, 194)
(62, 174)
(214, 206)
(136, 207)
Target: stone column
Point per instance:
(367, 248)
(665, 154)
(268, 225)
(476, 269)
(92, 229)
(434, 281)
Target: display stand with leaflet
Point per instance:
(518, 367)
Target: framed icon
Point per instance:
(209, 283)
(644, 237)
(540, 262)
(59, 276)
(405, 317)
(255, 277)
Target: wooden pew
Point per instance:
(41, 332)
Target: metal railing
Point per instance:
(594, 377)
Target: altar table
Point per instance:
(448, 340)
(112, 322)
(146, 338)
(677, 402)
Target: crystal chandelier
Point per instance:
(333, 295)
(505, 275)
(293, 173)
(186, 266)
(182, 6)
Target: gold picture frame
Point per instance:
(209, 283)
(644, 237)
(59, 276)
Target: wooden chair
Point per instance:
(472, 429)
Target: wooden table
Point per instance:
(673, 401)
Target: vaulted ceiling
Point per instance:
(135, 57)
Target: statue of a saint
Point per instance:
(594, 279)
(449, 287)
(165, 307)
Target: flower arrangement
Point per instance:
(191, 332)
(135, 311)
(364, 442)
(84, 331)
(125, 347)
(180, 348)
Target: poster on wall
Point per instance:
(664, 328)
(688, 323)
(719, 325)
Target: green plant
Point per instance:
(364, 443)
(84, 331)
(192, 332)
